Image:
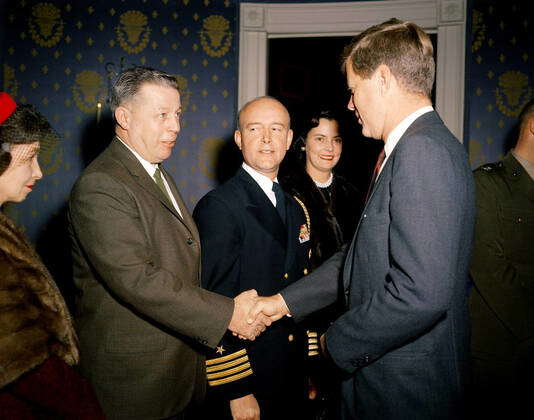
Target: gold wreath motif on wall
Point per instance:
(45, 24)
(513, 93)
(479, 30)
(51, 158)
(208, 156)
(11, 85)
(88, 90)
(185, 94)
(134, 25)
(215, 36)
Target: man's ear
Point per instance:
(289, 138)
(384, 78)
(237, 138)
(123, 117)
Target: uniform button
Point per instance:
(290, 337)
(305, 271)
(364, 216)
(190, 241)
(515, 173)
(519, 220)
(286, 275)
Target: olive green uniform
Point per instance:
(502, 299)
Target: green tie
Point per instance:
(159, 180)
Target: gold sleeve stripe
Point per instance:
(231, 378)
(227, 365)
(313, 340)
(313, 347)
(229, 371)
(312, 334)
(313, 353)
(226, 358)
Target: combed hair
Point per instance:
(130, 81)
(402, 46)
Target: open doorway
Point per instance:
(305, 73)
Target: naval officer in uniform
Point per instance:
(254, 236)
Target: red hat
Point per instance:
(7, 106)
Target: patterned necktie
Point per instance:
(280, 201)
(379, 162)
(159, 180)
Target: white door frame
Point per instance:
(446, 18)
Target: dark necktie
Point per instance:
(280, 201)
(379, 162)
(159, 181)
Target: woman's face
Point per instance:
(20, 176)
(323, 147)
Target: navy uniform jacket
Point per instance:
(404, 340)
(245, 245)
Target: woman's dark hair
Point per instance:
(25, 126)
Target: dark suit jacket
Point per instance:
(141, 315)
(246, 246)
(404, 341)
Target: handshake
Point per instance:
(253, 313)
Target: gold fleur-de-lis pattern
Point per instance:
(62, 56)
(501, 76)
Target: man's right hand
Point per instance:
(272, 306)
(242, 324)
(245, 408)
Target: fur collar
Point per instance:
(34, 319)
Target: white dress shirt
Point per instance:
(400, 129)
(151, 170)
(265, 183)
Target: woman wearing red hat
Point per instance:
(38, 344)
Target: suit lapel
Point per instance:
(262, 208)
(186, 215)
(144, 180)
(425, 119)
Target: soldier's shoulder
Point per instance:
(490, 168)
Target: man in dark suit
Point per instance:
(404, 338)
(254, 236)
(143, 319)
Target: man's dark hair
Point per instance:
(526, 113)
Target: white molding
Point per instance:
(259, 22)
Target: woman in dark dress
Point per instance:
(332, 205)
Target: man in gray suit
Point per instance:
(403, 340)
(142, 317)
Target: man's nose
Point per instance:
(174, 124)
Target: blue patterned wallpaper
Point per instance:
(62, 56)
(500, 80)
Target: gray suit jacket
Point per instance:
(142, 317)
(403, 341)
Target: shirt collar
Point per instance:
(401, 128)
(265, 183)
(149, 167)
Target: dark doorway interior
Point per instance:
(306, 73)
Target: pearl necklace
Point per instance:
(325, 184)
